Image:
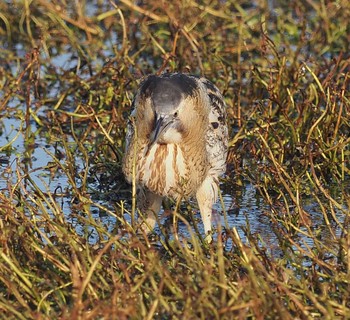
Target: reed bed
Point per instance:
(68, 72)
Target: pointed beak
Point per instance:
(162, 122)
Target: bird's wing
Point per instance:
(217, 135)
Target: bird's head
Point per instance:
(173, 103)
(168, 105)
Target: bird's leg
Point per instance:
(206, 197)
(149, 204)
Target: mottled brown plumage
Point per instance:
(176, 143)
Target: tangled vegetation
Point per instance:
(68, 72)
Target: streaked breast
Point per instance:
(163, 170)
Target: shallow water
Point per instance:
(30, 153)
(245, 209)
(34, 159)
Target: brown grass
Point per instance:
(284, 71)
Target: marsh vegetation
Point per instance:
(68, 249)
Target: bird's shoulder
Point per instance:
(217, 113)
(217, 134)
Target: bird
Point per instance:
(176, 144)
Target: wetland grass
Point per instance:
(68, 70)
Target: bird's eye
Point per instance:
(175, 114)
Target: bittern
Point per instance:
(176, 143)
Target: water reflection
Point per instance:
(26, 156)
